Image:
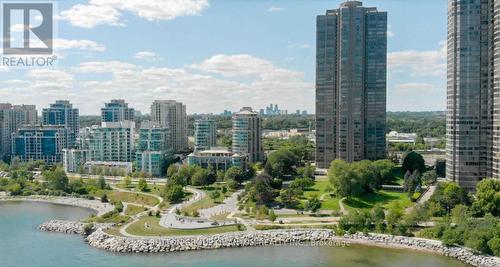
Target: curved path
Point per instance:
(136, 217)
(229, 205)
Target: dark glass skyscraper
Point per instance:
(351, 66)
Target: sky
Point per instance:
(214, 55)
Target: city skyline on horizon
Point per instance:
(211, 76)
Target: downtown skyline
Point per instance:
(260, 65)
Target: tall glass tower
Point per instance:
(472, 150)
(351, 66)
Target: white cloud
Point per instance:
(109, 12)
(63, 44)
(217, 83)
(274, 9)
(148, 56)
(418, 63)
(89, 16)
(104, 67)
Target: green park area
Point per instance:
(149, 226)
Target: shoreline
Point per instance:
(289, 237)
(101, 240)
(94, 205)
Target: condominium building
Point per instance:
(247, 135)
(12, 117)
(172, 114)
(113, 141)
(117, 110)
(32, 143)
(205, 134)
(473, 92)
(153, 149)
(351, 63)
(63, 114)
(74, 159)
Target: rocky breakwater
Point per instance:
(319, 237)
(70, 227)
(101, 240)
(460, 253)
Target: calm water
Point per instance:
(21, 244)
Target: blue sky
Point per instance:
(216, 55)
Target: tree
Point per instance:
(344, 179)
(215, 194)
(235, 174)
(101, 182)
(313, 204)
(284, 161)
(57, 179)
(487, 197)
(261, 191)
(104, 198)
(289, 197)
(220, 175)
(127, 181)
(385, 170)
(173, 193)
(448, 195)
(413, 161)
(429, 177)
(171, 170)
(142, 185)
(302, 183)
(200, 177)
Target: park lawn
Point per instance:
(220, 217)
(320, 188)
(138, 228)
(207, 201)
(113, 231)
(155, 189)
(382, 197)
(136, 198)
(134, 209)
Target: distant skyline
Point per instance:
(217, 55)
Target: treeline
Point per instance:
(424, 124)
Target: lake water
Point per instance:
(21, 244)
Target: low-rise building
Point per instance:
(218, 158)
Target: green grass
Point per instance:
(382, 197)
(138, 228)
(220, 217)
(136, 198)
(110, 217)
(207, 201)
(134, 209)
(113, 231)
(320, 187)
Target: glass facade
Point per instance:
(116, 110)
(205, 134)
(39, 143)
(247, 135)
(351, 66)
(153, 149)
(472, 86)
(62, 113)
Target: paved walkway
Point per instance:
(229, 205)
